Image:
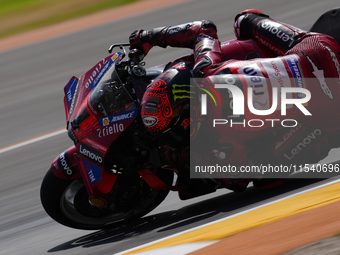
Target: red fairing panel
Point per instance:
(65, 165)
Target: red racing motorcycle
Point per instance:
(117, 171)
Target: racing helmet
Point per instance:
(166, 105)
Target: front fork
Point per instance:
(69, 165)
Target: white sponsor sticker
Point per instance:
(257, 81)
(278, 76)
(150, 121)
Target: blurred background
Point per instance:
(23, 15)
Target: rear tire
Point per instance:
(66, 201)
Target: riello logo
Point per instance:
(239, 103)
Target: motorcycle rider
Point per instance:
(299, 55)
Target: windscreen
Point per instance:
(110, 96)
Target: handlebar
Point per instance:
(134, 61)
(134, 54)
(120, 45)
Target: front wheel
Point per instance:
(66, 201)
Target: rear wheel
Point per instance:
(66, 201)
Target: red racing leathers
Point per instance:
(304, 60)
(199, 35)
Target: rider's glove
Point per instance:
(139, 39)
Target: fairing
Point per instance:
(98, 109)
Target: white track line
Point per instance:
(33, 140)
(230, 216)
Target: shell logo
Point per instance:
(106, 121)
(114, 56)
(98, 202)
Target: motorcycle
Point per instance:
(116, 171)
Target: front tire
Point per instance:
(66, 201)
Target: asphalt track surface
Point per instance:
(31, 104)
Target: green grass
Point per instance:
(17, 16)
(8, 6)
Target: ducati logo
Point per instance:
(150, 121)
